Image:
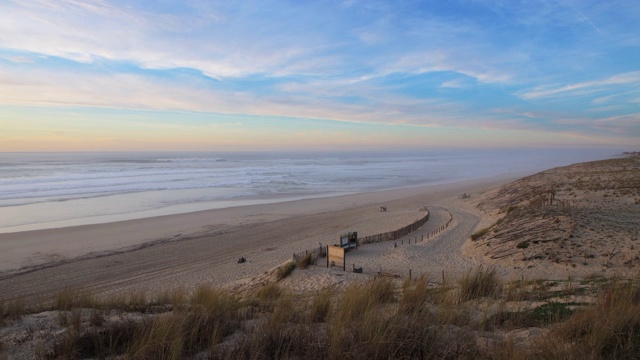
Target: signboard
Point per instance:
(335, 257)
(349, 240)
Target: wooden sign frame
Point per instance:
(335, 257)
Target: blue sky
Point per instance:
(96, 75)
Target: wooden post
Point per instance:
(409, 274)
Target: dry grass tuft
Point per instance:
(305, 261)
(480, 283)
(480, 233)
(415, 296)
(608, 330)
(321, 305)
(286, 270)
(69, 298)
(14, 310)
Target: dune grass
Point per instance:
(383, 318)
(608, 330)
(307, 260)
(14, 309)
(480, 283)
(480, 233)
(285, 270)
(321, 305)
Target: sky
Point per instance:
(127, 75)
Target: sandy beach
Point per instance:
(553, 236)
(202, 248)
(182, 251)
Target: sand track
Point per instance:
(429, 257)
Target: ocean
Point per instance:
(50, 190)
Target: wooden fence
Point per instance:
(441, 227)
(316, 254)
(397, 234)
(320, 252)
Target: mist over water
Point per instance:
(44, 190)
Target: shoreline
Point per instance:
(203, 247)
(196, 207)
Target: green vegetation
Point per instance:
(545, 314)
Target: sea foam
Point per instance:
(43, 190)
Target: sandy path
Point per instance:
(429, 257)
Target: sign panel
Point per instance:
(349, 240)
(335, 257)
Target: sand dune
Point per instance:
(580, 219)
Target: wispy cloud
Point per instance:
(561, 66)
(588, 87)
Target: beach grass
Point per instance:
(286, 270)
(382, 318)
(479, 283)
(480, 233)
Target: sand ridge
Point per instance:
(580, 219)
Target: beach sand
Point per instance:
(186, 250)
(577, 221)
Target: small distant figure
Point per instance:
(465, 196)
(383, 208)
(242, 260)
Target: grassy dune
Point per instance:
(583, 216)
(476, 317)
